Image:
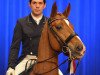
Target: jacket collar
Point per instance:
(31, 20)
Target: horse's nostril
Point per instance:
(79, 48)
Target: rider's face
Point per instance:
(37, 6)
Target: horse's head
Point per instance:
(65, 37)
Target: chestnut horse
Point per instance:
(57, 36)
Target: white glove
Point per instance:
(59, 72)
(10, 71)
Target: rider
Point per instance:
(27, 31)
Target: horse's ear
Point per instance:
(54, 10)
(67, 11)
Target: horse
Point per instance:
(57, 36)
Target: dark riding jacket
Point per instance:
(28, 32)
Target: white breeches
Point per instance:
(21, 66)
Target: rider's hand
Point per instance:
(10, 71)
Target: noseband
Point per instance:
(64, 44)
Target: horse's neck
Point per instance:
(44, 52)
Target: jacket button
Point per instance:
(31, 53)
(30, 38)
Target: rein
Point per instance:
(51, 62)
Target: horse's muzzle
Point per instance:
(79, 48)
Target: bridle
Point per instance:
(64, 44)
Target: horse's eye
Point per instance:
(58, 27)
